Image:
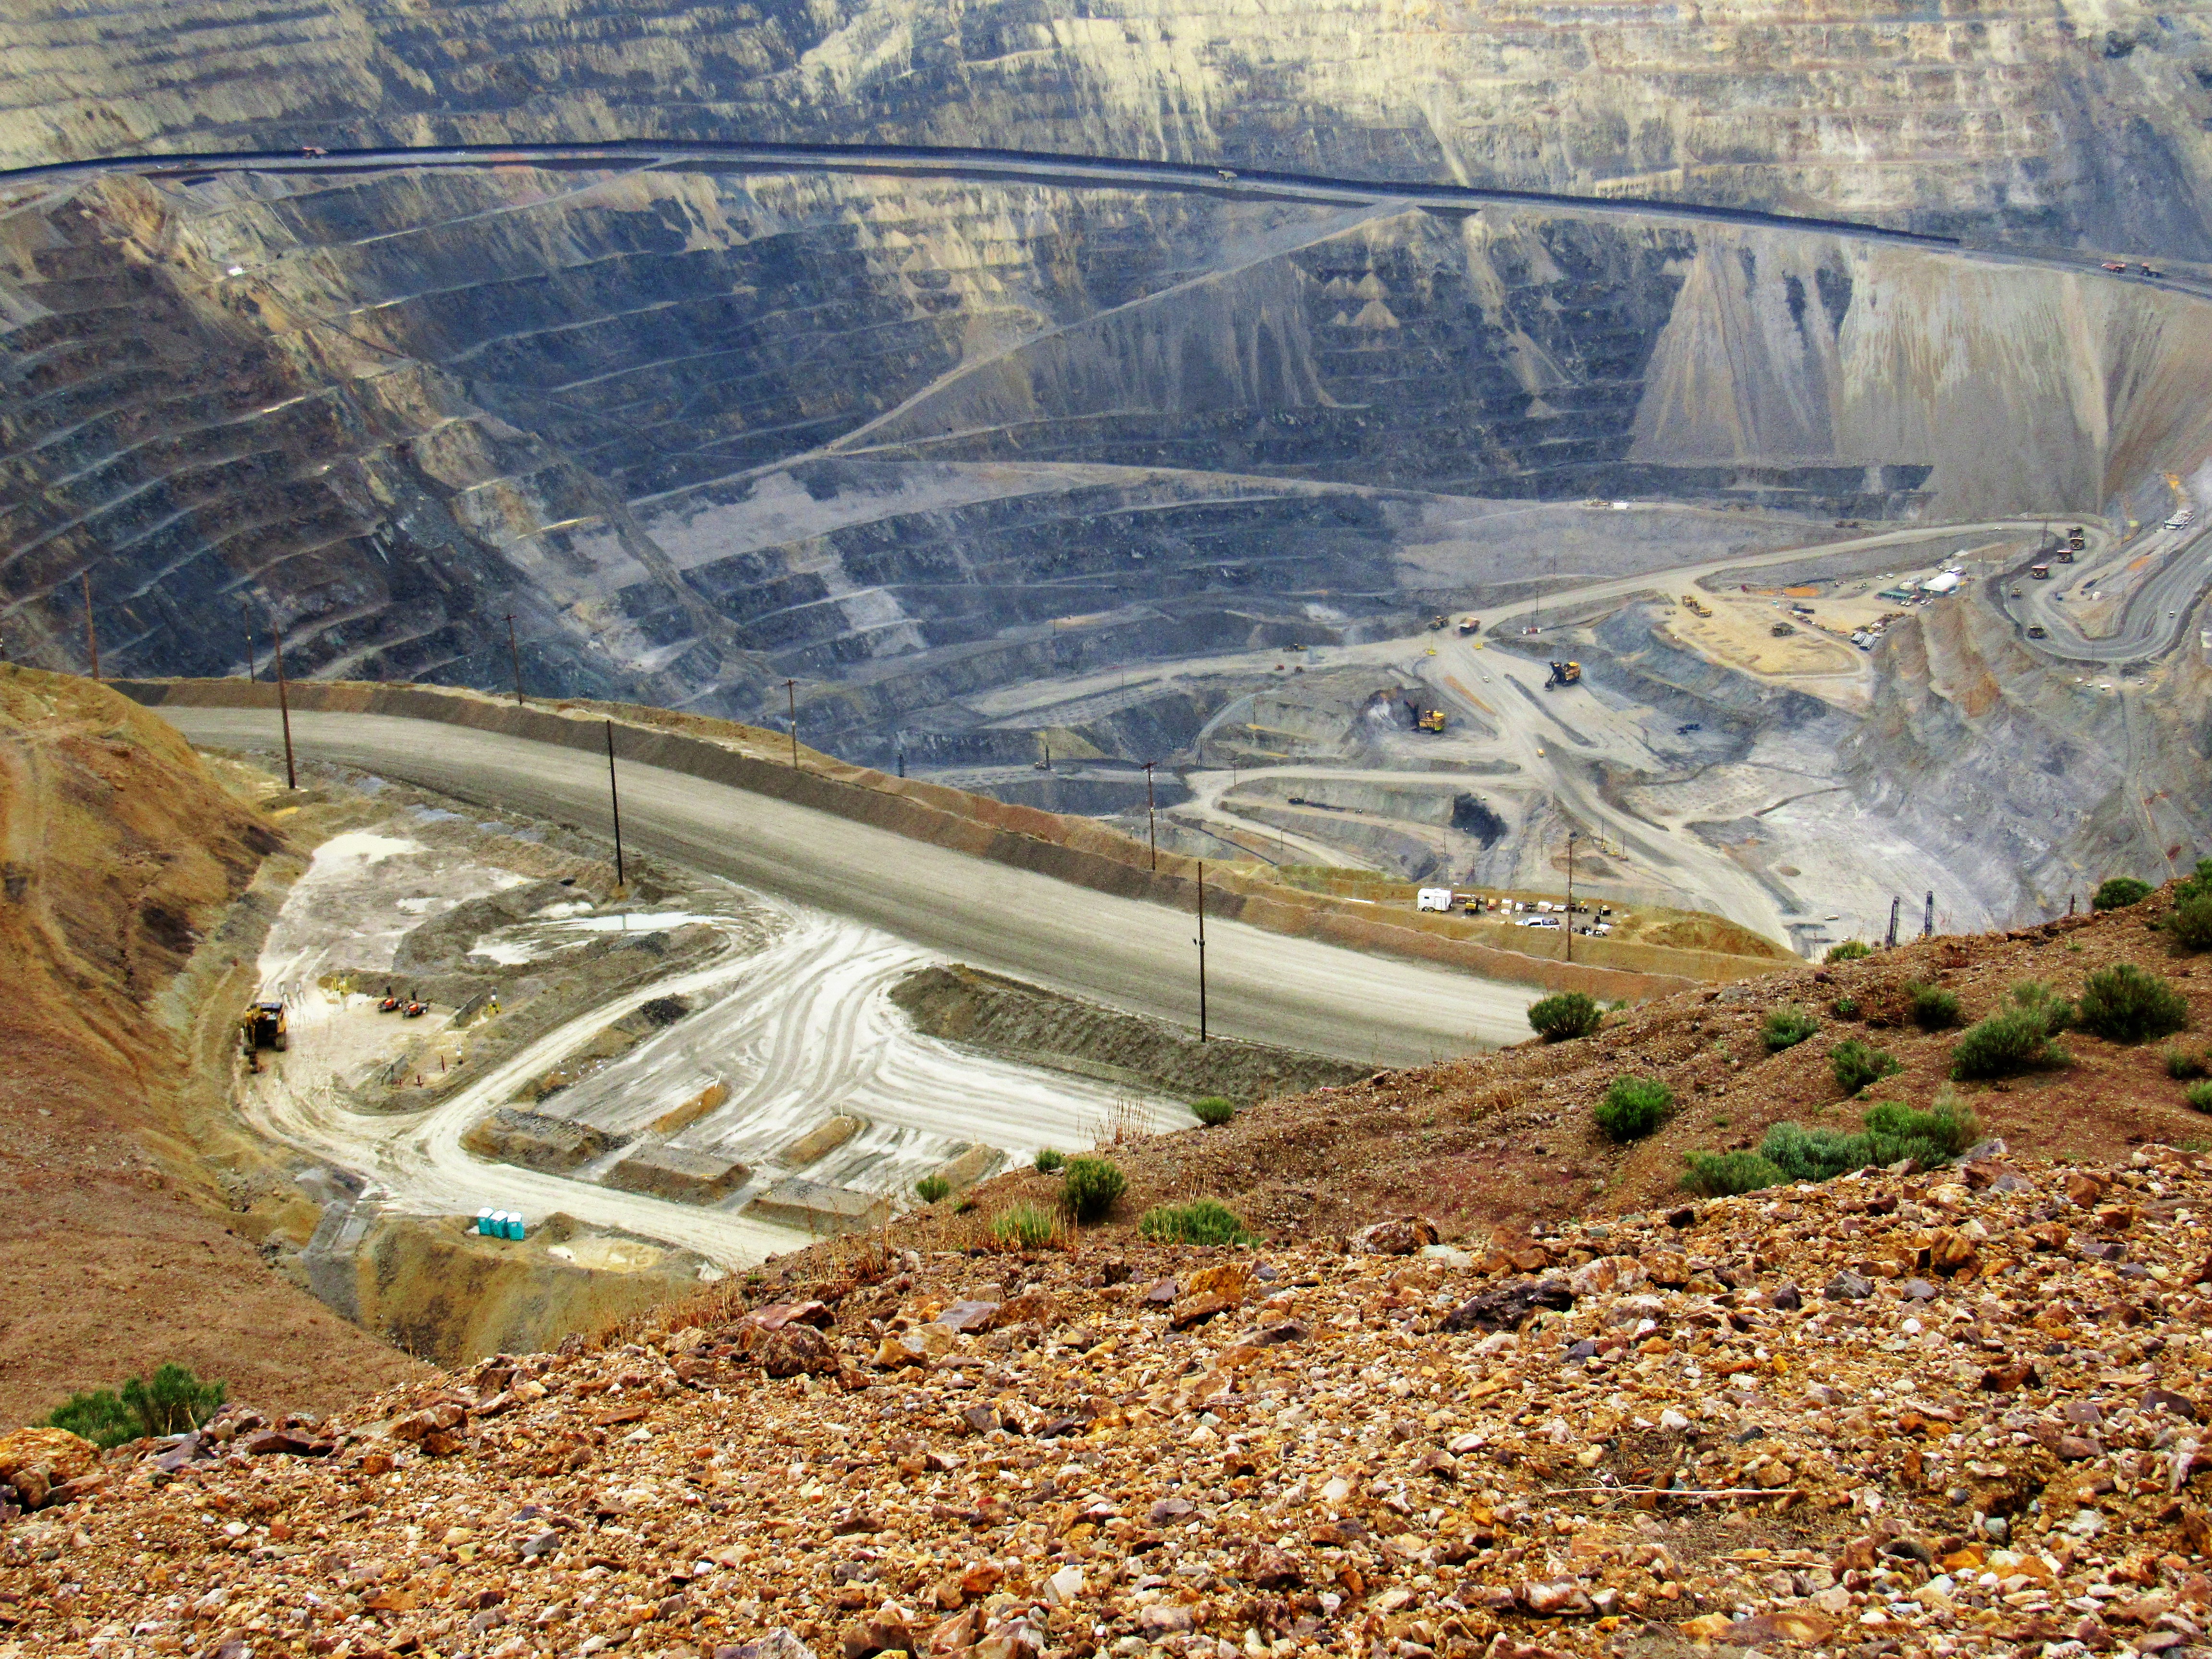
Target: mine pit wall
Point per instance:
(1074, 850)
(1983, 748)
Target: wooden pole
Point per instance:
(614, 800)
(791, 692)
(284, 703)
(1571, 896)
(1151, 825)
(91, 634)
(514, 653)
(1201, 949)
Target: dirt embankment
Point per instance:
(127, 868)
(1077, 850)
(1506, 1140)
(1022, 1022)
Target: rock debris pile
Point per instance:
(1911, 1415)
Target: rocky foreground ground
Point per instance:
(1895, 1413)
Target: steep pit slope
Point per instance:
(122, 857)
(2049, 123)
(2054, 774)
(907, 440)
(1752, 1425)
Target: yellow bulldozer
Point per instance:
(1690, 604)
(264, 1026)
(1432, 720)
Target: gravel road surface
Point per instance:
(1262, 986)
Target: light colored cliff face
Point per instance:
(2024, 390)
(2034, 782)
(2065, 123)
(699, 431)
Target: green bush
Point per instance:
(1947, 1128)
(1888, 1132)
(1207, 1221)
(2199, 1095)
(2007, 1043)
(1845, 1007)
(2190, 922)
(2037, 998)
(1024, 1227)
(1857, 1064)
(1633, 1107)
(2198, 885)
(1049, 1161)
(2181, 1065)
(1562, 1015)
(931, 1188)
(172, 1402)
(96, 1415)
(1786, 1028)
(1934, 1008)
(2117, 892)
(1721, 1175)
(2123, 1003)
(1852, 950)
(1090, 1188)
(1213, 1110)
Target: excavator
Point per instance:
(1565, 673)
(264, 1026)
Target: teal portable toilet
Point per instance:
(514, 1228)
(483, 1222)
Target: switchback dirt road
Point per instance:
(1263, 987)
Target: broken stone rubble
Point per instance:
(1991, 1450)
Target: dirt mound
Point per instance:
(1039, 1027)
(123, 858)
(1916, 1415)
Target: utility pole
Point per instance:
(1151, 825)
(91, 634)
(246, 615)
(614, 800)
(284, 703)
(1928, 917)
(1894, 903)
(1571, 896)
(1201, 949)
(791, 692)
(515, 654)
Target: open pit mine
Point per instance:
(1471, 503)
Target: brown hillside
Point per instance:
(1505, 1140)
(120, 854)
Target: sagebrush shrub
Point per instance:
(2124, 1004)
(931, 1188)
(1632, 1108)
(2117, 892)
(1024, 1227)
(1089, 1186)
(1564, 1015)
(1934, 1008)
(2199, 1095)
(2190, 922)
(1213, 1109)
(1204, 1221)
(1786, 1028)
(2007, 1043)
(1852, 950)
(1049, 1161)
(1857, 1064)
(1721, 1175)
